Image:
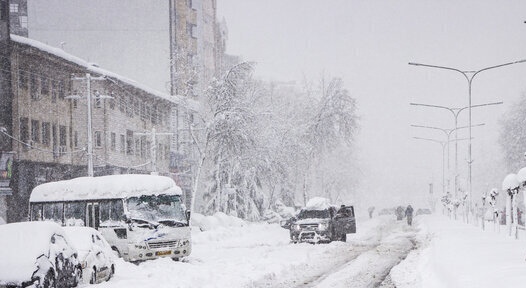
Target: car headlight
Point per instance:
(296, 227)
(323, 226)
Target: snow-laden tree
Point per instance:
(513, 135)
(261, 145)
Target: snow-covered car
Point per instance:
(37, 254)
(94, 253)
(320, 221)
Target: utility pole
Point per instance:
(89, 147)
(153, 148)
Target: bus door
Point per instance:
(93, 215)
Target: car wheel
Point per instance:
(112, 271)
(93, 276)
(49, 280)
(116, 251)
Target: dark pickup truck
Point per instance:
(321, 225)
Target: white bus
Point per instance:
(141, 216)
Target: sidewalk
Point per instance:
(455, 254)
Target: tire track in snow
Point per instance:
(335, 258)
(371, 268)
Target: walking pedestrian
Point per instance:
(409, 215)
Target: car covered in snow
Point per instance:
(95, 255)
(321, 222)
(37, 254)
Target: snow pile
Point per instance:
(318, 203)
(2, 221)
(218, 220)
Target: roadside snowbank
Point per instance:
(456, 254)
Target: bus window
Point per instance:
(93, 215)
(36, 212)
(75, 213)
(111, 212)
(53, 212)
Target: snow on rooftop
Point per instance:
(318, 203)
(510, 182)
(104, 187)
(95, 69)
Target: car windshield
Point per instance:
(155, 208)
(307, 214)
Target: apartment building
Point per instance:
(48, 127)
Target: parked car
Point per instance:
(37, 254)
(95, 255)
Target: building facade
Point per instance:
(48, 127)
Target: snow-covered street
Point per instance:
(260, 255)
(435, 252)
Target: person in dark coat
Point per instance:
(409, 214)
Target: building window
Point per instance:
(62, 135)
(137, 107)
(54, 90)
(122, 104)
(34, 86)
(46, 133)
(35, 131)
(129, 142)
(44, 85)
(76, 139)
(22, 79)
(113, 141)
(61, 89)
(123, 144)
(3, 10)
(13, 8)
(23, 21)
(98, 139)
(138, 146)
(112, 103)
(24, 129)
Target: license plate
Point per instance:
(162, 253)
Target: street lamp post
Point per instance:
(448, 132)
(443, 144)
(469, 75)
(455, 112)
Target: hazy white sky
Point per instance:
(368, 44)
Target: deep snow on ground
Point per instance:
(436, 252)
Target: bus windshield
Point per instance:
(164, 209)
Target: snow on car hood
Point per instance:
(20, 246)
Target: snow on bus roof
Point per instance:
(104, 187)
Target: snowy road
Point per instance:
(260, 255)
